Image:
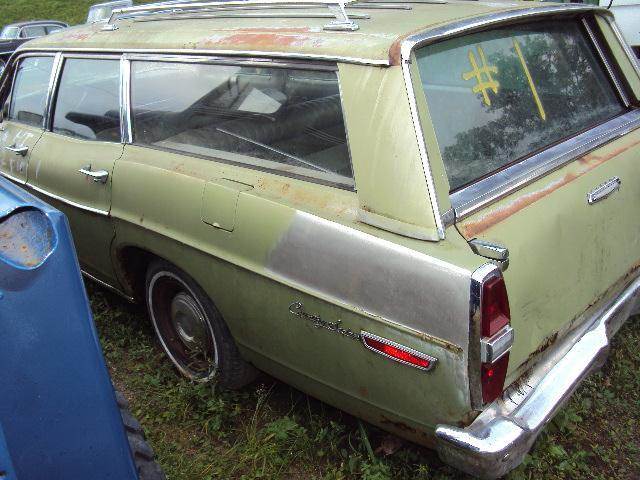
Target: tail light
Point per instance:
(497, 336)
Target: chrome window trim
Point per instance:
(635, 63)
(364, 335)
(470, 199)
(56, 71)
(607, 64)
(224, 53)
(126, 122)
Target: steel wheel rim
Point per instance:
(182, 326)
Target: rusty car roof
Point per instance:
(375, 42)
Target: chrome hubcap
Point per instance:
(189, 322)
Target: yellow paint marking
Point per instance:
(486, 70)
(543, 115)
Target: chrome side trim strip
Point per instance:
(68, 202)
(53, 85)
(13, 179)
(126, 131)
(432, 360)
(108, 286)
(237, 53)
(491, 189)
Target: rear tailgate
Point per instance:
(564, 252)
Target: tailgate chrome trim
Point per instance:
(499, 438)
(491, 189)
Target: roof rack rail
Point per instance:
(342, 22)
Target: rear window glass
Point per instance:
(286, 120)
(34, 31)
(88, 101)
(29, 95)
(501, 95)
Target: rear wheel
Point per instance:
(191, 330)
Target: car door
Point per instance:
(25, 112)
(72, 164)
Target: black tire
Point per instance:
(143, 456)
(190, 329)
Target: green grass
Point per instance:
(72, 12)
(270, 430)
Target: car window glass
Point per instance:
(88, 101)
(53, 29)
(498, 96)
(29, 95)
(33, 31)
(280, 119)
(9, 33)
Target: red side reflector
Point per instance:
(495, 306)
(493, 376)
(398, 352)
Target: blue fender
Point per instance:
(57, 405)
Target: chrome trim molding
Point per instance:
(492, 349)
(635, 63)
(68, 202)
(17, 180)
(491, 189)
(108, 286)
(499, 438)
(392, 225)
(47, 121)
(422, 147)
(432, 360)
(607, 64)
(126, 130)
(228, 53)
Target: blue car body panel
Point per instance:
(57, 406)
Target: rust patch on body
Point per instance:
(258, 39)
(586, 164)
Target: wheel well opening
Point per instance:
(134, 262)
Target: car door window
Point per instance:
(278, 119)
(88, 101)
(33, 31)
(29, 96)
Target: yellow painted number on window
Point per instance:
(483, 84)
(532, 86)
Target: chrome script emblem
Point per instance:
(297, 309)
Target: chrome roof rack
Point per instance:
(342, 21)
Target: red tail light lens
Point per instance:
(495, 306)
(495, 316)
(493, 376)
(397, 352)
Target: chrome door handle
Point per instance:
(603, 191)
(22, 151)
(99, 176)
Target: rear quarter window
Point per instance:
(277, 119)
(29, 95)
(499, 96)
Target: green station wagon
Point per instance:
(424, 213)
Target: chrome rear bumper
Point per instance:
(498, 439)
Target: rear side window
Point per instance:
(53, 28)
(285, 120)
(29, 95)
(498, 96)
(88, 101)
(33, 31)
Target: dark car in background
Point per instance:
(15, 34)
